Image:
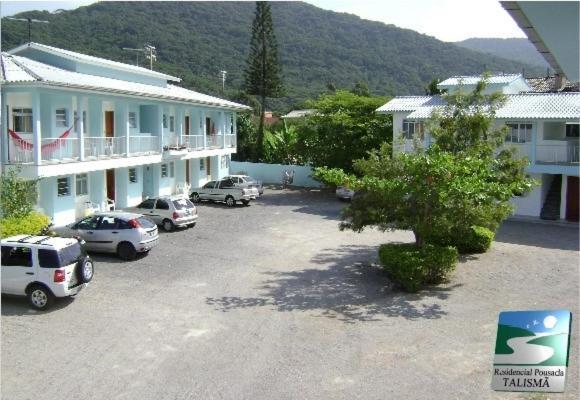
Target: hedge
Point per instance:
(412, 267)
(476, 239)
(31, 224)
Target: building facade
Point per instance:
(98, 132)
(544, 127)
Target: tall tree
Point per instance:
(262, 75)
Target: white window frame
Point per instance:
(164, 171)
(58, 181)
(132, 119)
(411, 128)
(60, 117)
(25, 114)
(522, 136)
(133, 176)
(82, 182)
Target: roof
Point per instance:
(84, 58)
(474, 79)
(22, 70)
(300, 113)
(546, 84)
(410, 103)
(517, 106)
(39, 240)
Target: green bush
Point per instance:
(31, 224)
(412, 267)
(476, 239)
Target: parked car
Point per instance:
(344, 193)
(114, 232)
(224, 190)
(44, 267)
(168, 211)
(246, 181)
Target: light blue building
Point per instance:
(97, 130)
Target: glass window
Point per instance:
(61, 117)
(226, 183)
(411, 128)
(209, 185)
(172, 124)
(14, 256)
(519, 132)
(133, 175)
(171, 169)
(162, 205)
(572, 130)
(182, 204)
(165, 121)
(63, 186)
(146, 223)
(132, 119)
(88, 223)
(149, 204)
(164, 170)
(22, 120)
(122, 224)
(61, 258)
(108, 223)
(82, 184)
(202, 164)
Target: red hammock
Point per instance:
(45, 148)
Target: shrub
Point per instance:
(32, 224)
(412, 267)
(476, 239)
(17, 195)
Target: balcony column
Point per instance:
(160, 126)
(223, 128)
(124, 124)
(179, 129)
(4, 139)
(235, 129)
(534, 141)
(36, 129)
(203, 128)
(80, 108)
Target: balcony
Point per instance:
(566, 153)
(230, 141)
(213, 141)
(104, 147)
(192, 142)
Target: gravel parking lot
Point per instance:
(272, 301)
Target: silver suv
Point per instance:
(44, 267)
(168, 211)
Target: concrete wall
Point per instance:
(128, 194)
(61, 209)
(272, 173)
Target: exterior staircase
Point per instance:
(551, 207)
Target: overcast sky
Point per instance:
(447, 20)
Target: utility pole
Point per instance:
(223, 74)
(30, 21)
(135, 50)
(151, 54)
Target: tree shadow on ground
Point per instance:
(320, 202)
(539, 235)
(352, 288)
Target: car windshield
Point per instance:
(61, 258)
(145, 223)
(181, 204)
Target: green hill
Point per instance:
(505, 332)
(195, 40)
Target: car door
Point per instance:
(17, 269)
(226, 187)
(87, 230)
(206, 191)
(147, 208)
(161, 211)
(106, 236)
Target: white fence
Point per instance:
(272, 173)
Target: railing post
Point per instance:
(203, 128)
(36, 129)
(223, 129)
(160, 126)
(81, 127)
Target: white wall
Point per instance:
(272, 173)
(531, 204)
(128, 194)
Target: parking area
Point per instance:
(272, 301)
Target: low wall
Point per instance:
(272, 173)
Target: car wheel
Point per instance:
(246, 202)
(195, 197)
(86, 270)
(168, 225)
(40, 297)
(230, 201)
(126, 251)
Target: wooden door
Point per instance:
(187, 124)
(187, 169)
(572, 198)
(208, 167)
(111, 184)
(109, 124)
(208, 126)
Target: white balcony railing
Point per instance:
(20, 152)
(558, 154)
(230, 140)
(57, 149)
(192, 142)
(213, 141)
(104, 147)
(143, 144)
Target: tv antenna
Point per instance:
(30, 21)
(223, 74)
(151, 54)
(135, 50)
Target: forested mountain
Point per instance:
(195, 40)
(513, 49)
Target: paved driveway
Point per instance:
(272, 301)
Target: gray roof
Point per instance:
(21, 70)
(474, 79)
(517, 106)
(300, 113)
(547, 84)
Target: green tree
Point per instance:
(361, 89)
(431, 89)
(345, 127)
(17, 195)
(281, 145)
(262, 74)
(246, 139)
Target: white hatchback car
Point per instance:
(168, 211)
(44, 267)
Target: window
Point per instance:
(108, 223)
(202, 164)
(572, 130)
(519, 132)
(172, 124)
(209, 185)
(61, 258)
(165, 121)
(226, 183)
(164, 170)
(22, 120)
(182, 204)
(410, 128)
(132, 119)
(88, 224)
(162, 205)
(61, 117)
(63, 186)
(82, 184)
(148, 204)
(171, 169)
(132, 175)
(16, 256)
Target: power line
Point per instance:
(30, 21)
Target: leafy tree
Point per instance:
(246, 140)
(262, 75)
(17, 195)
(281, 145)
(432, 89)
(345, 127)
(361, 89)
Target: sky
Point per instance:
(447, 20)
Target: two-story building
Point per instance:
(544, 127)
(97, 131)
